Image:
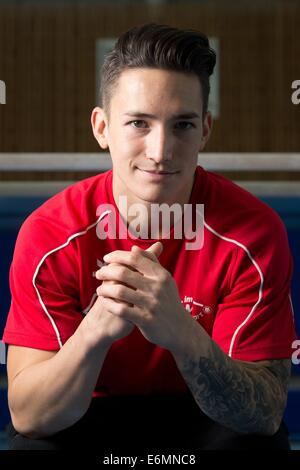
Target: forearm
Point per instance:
(238, 395)
(52, 395)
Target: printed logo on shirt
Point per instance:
(197, 309)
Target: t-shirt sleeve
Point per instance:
(45, 306)
(254, 319)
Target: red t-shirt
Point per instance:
(237, 286)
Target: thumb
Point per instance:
(155, 249)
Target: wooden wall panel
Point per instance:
(47, 59)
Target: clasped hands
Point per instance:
(144, 293)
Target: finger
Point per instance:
(108, 282)
(122, 274)
(136, 260)
(132, 314)
(122, 293)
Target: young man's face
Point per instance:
(154, 132)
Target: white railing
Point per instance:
(99, 162)
(102, 161)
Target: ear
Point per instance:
(206, 130)
(99, 123)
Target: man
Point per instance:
(175, 345)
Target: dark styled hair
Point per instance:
(161, 47)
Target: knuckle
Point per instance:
(120, 291)
(165, 276)
(121, 310)
(133, 258)
(153, 303)
(121, 271)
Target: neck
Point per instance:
(148, 219)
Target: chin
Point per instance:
(154, 197)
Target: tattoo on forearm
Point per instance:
(245, 397)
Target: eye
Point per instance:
(184, 125)
(138, 124)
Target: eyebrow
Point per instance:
(187, 115)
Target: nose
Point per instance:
(160, 145)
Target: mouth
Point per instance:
(155, 172)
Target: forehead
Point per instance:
(146, 87)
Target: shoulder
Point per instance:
(64, 214)
(236, 213)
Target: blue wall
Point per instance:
(13, 210)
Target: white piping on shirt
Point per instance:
(260, 287)
(230, 240)
(41, 262)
